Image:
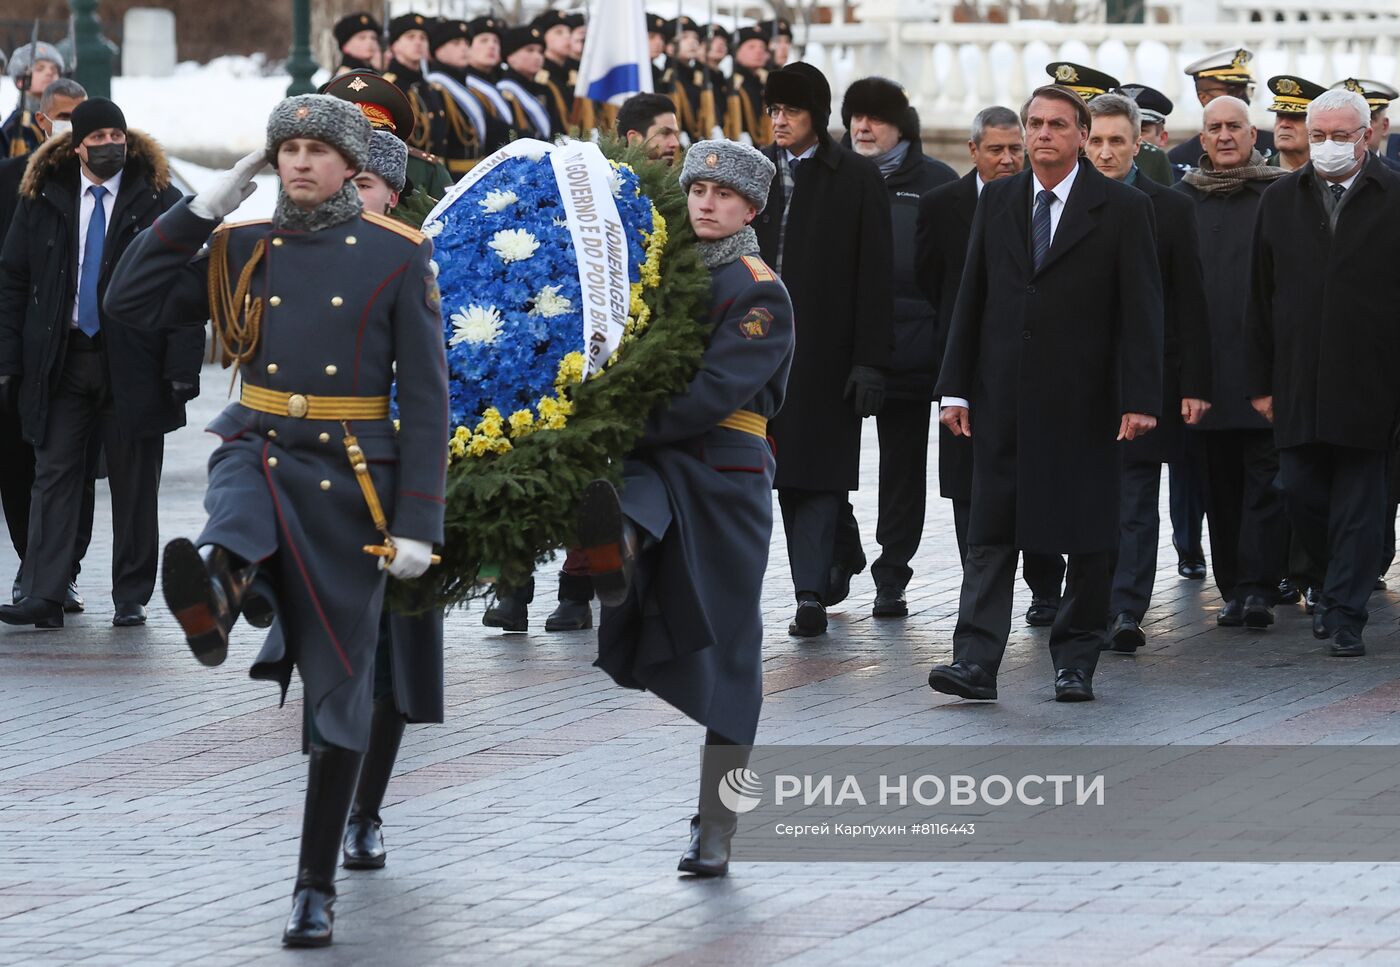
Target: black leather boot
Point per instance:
(204, 589)
(575, 611)
(330, 784)
(608, 541)
(509, 611)
(712, 828)
(364, 843)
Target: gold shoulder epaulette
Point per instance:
(758, 268)
(422, 155)
(396, 226)
(230, 226)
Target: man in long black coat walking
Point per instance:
(1055, 353)
(81, 374)
(1113, 146)
(826, 231)
(884, 128)
(1323, 350)
(998, 148)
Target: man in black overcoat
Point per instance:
(1054, 354)
(883, 127)
(826, 231)
(998, 149)
(1248, 526)
(1113, 146)
(82, 375)
(1323, 350)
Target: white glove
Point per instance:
(233, 187)
(411, 558)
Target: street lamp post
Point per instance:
(301, 66)
(94, 58)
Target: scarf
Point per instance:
(719, 252)
(889, 162)
(1225, 180)
(335, 210)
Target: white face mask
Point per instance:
(1331, 158)
(61, 127)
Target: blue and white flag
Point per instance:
(615, 63)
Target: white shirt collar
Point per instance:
(980, 184)
(804, 155)
(112, 184)
(1061, 191)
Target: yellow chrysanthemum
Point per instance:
(570, 371)
(522, 423)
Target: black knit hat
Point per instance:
(348, 26)
(402, 24)
(94, 114)
(802, 86)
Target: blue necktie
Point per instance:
(1040, 227)
(792, 166)
(1337, 191)
(88, 320)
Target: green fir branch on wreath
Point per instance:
(512, 511)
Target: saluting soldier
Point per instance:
(319, 308)
(746, 118)
(357, 35)
(388, 109)
(678, 562)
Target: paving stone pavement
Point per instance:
(150, 807)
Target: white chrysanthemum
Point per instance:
(615, 183)
(432, 229)
(560, 222)
(498, 201)
(549, 303)
(514, 244)
(475, 325)
(433, 266)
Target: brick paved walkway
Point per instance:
(149, 807)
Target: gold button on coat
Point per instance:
(271, 368)
(325, 438)
(276, 243)
(275, 301)
(272, 434)
(331, 370)
(349, 240)
(337, 301)
(272, 461)
(325, 485)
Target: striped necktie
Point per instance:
(1040, 227)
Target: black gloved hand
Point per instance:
(9, 394)
(865, 388)
(182, 392)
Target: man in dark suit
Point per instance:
(1113, 146)
(80, 375)
(884, 128)
(1323, 351)
(998, 149)
(826, 231)
(1054, 354)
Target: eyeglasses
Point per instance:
(788, 112)
(1339, 137)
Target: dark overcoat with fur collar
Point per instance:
(39, 279)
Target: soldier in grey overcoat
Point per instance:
(678, 559)
(318, 307)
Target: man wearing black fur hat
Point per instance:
(357, 36)
(75, 372)
(883, 127)
(826, 230)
